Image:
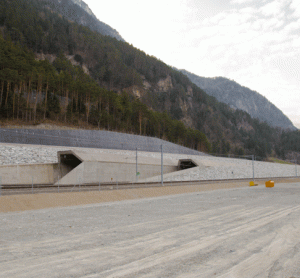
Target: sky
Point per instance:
(253, 42)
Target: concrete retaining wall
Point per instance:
(90, 172)
(107, 170)
(26, 174)
(226, 168)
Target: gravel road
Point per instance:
(241, 232)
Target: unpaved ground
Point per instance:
(238, 232)
(49, 200)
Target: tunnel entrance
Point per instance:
(68, 162)
(184, 164)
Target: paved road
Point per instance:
(245, 232)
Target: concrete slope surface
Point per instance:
(245, 232)
(102, 139)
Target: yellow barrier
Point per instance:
(252, 183)
(270, 183)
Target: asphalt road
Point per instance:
(243, 232)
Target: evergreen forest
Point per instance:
(33, 90)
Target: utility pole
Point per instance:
(136, 164)
(162, 166)
(253, 165)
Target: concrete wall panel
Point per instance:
(23, 174)
(91, 172)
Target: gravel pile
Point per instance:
(13, 154)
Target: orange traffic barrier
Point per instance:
(270, 183)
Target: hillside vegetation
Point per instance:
(110, 84)
(32, 90)
(239, 97)
(78, 11)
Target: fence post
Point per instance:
(0, 185)
(253, 165)
(162, 166)
(99, 182)
(31, 184)
(136, 165)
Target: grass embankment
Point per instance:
(276, 160)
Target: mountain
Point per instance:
(84, 6)
(54, 68)
(239, 97)
(79, 12)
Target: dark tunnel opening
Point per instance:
(68, 162)
(184, 164)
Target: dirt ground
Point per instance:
(232, 232)
(50, 200)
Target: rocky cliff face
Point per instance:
(239, 97)
(165, 84)
(84, 6)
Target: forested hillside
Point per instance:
(33, 90)
(73, 74)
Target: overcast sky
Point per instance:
(254, 42)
